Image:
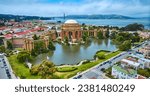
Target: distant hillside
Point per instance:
(22, 17)
(98, 17)
(144, 18)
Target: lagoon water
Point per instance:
(73, 54)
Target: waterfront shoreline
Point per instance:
(86, 60)
(74, 54)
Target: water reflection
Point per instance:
(88, 44)
(106, 42)
(75, 53)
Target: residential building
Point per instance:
(144, 63)
(132, 62)
(145, 51)
(123, 72)
(144, 35)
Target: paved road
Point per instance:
(13, 76)
(3, 74)
(96, 73)
(6, 71)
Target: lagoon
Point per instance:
(73, 54)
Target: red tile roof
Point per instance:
(132, 59)
(22, 33)
(2, 28)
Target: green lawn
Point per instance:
(19, 49)
(144, 72)
(102, 52)
(62, 72)
(86, 66)
(110, 55)
(20, 69)
(66, 69)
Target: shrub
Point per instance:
(101, 56)
(66, 69)
(34, 70)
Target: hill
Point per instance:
(22, 17)
(113, 16)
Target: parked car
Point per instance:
(75, 78)
(79, 76)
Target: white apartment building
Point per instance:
(121, 72)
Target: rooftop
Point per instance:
(131, 62)
(21, 33)
(123, 70)
(141, 77)
(140, 58)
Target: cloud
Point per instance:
(57, 8)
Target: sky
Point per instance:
(50, 8)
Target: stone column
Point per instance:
(95, 33)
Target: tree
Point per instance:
(144, 72)
(101, 56)
(1, 39)
(66, 40)
(125, 35)
(120, 38)
(125, 46)
(135, 37)
(34, 70)
(9, 45)
(100, 35)
(35, 37)
(51, 46)
(2, 24)
(46, 69)
(83, 24)
(136, 34)
(134, 27)
(2, 49)
(40, 47)
(23, 56)
(33, 52)
(107, 32)
(85, 36)
(113, 35)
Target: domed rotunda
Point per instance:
(72, 30)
